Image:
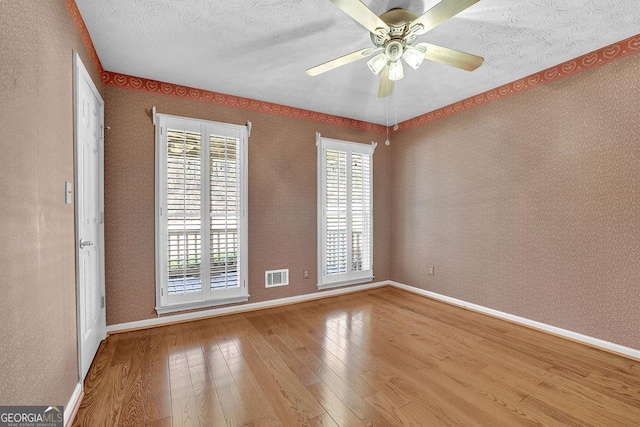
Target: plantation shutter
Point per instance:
(336, 212)
(224, 214)
(360, 212)
(345, 212)
(184, 201)
(202, 225)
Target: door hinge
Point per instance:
(101, 217)
(102, 131)
(102, 301)
(162, 291)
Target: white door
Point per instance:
(89, 118)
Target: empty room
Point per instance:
(320, 213)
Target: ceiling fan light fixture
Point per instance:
(377, 63)
(396, 71)
(413, 57)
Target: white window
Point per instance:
(201, 222)
(345, 219)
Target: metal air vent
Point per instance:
(273, 278)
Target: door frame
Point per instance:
(80, 71)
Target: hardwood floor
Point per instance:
(382, 357)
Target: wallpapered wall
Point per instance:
(282, 198)
(39, 362)
(530, 205)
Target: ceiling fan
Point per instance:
(393, 35)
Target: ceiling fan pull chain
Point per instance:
(387, 142)
(395, 111)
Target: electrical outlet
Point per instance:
(305, 274)
(431, 270)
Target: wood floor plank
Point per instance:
(590, 392)
(390, 410)
(164, 422)
(513, 355)
(329, 368)
(297, 366)
(596, 411)
(235, 409)
(419, 329)
(461, 373)
(538, 410)
(575, 351)
(183, 406)
(554, 388)
(394, 322)
(339, 412)
(193, 344)
(331, 354)
(329, 338)
(319, 358)
(379, 357)
(252, 395)
(566, 415)
(426, 413)
(205, 396)
(396, 355)
(525, 378)
(284, 377)
(347, 398)
(463, 320)
(322, 420)
(155, 377)
(435, 399)
(133, 400)
(618, 391)
(100, 385)
(388, 390)
(113, 382)
(283, 405)
(490, 407)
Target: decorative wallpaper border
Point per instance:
(84, 33)
(139, 83)
(590, 60)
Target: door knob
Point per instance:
(84, 243)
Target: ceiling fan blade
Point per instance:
(362, 14)
(440, 13)
(340, 61)
(386, 86)
(454, 58)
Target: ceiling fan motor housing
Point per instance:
(398, 21)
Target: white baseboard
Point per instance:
(149, 323)
(72, 406)
(554, 330)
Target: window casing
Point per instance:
(345, 212)
(201, 221)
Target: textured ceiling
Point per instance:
(260, 48)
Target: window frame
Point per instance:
(208, 297)
(349, 278)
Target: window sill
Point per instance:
(345, 283)
(200, 304)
